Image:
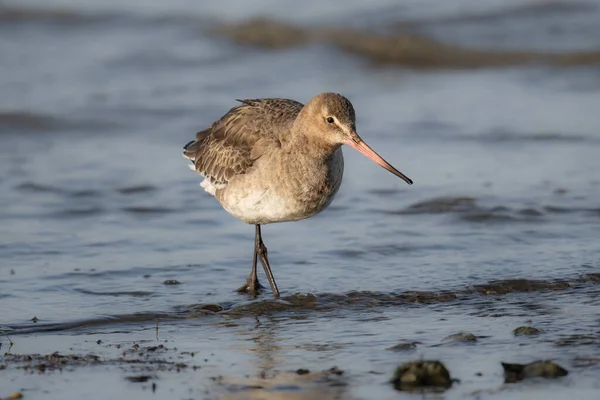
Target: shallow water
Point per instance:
(98, 209)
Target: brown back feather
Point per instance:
(231, 145)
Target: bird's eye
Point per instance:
(330, 120)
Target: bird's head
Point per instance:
(331, 117)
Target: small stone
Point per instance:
(526, 331)
(416, 375)
(461, 337)
(404, 346)
(302, 371)
(537, 369)
(211, 307)
(138, 378)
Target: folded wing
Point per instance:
(231, 145)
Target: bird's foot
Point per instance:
(251, 287)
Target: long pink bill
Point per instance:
(357, 143)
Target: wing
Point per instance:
(231, 145)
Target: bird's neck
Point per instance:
(305, 137)
(313, 171)
(309, 144)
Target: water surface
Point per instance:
(98, 209)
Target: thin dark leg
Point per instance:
(262, 255)
(252, 284)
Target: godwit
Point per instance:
(276, 160)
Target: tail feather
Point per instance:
(191, 148)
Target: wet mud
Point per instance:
(470, 209)
(152, 366)
(134, 359)
(147, 364)
(327, 302)
(404, 50)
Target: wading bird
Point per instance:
(277, 160)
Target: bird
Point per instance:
(277, 160)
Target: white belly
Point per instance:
(256, 199)
(262, 207)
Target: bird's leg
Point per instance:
(252, 284)
(262, 254)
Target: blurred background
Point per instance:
(492, 108)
